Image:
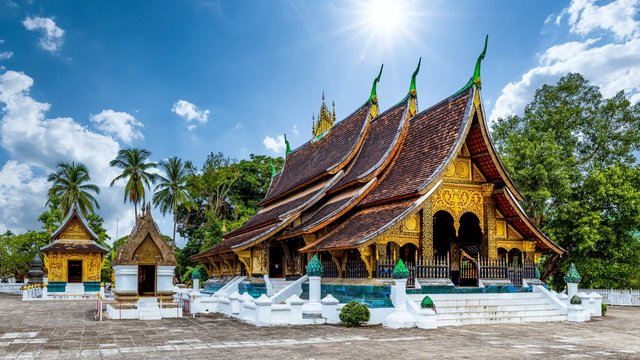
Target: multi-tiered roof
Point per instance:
(370, 170)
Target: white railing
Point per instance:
(625, 297)
(295, 288)
(14, 288)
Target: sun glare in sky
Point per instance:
(385, 24)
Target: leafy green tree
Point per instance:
(172, 192)
(16, 251)
(69, 184)
(136, 170)
(572, 155)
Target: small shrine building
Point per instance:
(74, 258)
(144, 264)
(425, 186)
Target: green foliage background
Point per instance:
(573, 155)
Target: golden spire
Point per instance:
(325, 119)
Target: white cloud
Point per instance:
(5, 55)
(51, 38)
(295, 130)
(238, 126)
(613, 65)
(120, 124)
(617, 17)
(276, 145)
(190, 113)
(21, 196)
(35, 142)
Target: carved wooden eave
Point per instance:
(548, 243)
(491, 151)
(145, 245)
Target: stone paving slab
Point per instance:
(67, 330)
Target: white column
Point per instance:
(400, 317)
(263, 307)
(314, 306)
(164, 281)
(296, 309)
(330, 309)
(572, 289)
(196, 284)
(126, 277)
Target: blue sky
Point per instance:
(190, 78)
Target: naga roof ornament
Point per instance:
(413, 94)
(287, 150)
(374, 96)
(475, 79)
(273, 168)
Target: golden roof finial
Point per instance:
(325, 118)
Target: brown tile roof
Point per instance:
(361, 225)
(431, 137)
(75, 246)
(319, 157)
(272, 215)
(509, 207)
(227, 244)
(382, 135)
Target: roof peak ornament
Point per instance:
(373, 98)
(413, 94)
(287, 150)
(325, 121)
(273, 168)
(475, 79)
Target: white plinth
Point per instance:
(400, 317)
(126, 277)
(165, 278)
(313, 306)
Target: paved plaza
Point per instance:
(67, 329)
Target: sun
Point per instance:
(386, 24)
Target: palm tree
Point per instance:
(70, 186)
(172, 192)
(135, 168)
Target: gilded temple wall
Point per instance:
(56, 264)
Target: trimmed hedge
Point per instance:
(354, 314)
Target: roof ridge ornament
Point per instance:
(287, 150)
(273, 168)
(413, 94)
(373, 98)
(475, 79)
(325, 119)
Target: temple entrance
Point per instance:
(469, 238)
(408, 253)
(444, 242)
(276, 261)
(146, 280)
(74, 271)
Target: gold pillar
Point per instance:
(489, 248)
(427, 231)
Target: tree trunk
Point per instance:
(135, 209)
(175, 221)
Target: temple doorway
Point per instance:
(75, 271)
(444, 242)
(276, 261)
(469, 239)
(146, 280)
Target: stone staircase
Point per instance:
(148, 309)
(279, 284)
(498, 308)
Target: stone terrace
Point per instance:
(52, 330)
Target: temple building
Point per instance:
(424, 186)
(144, 264)
(74, 258)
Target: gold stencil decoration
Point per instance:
(91, 267)
(459, 169)
(501, 228)
(457, 201)
(148, 252)
(412, 222)
(74, 230)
